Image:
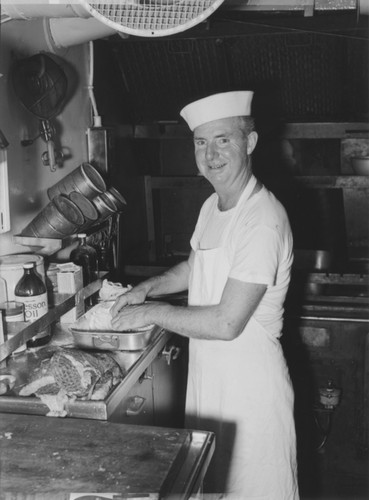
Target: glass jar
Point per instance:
(86, 256)
(12, 312)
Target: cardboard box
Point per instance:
(70, 280)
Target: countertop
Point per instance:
(52, 458)
(133, 364)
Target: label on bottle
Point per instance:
(35, 307)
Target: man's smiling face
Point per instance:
(221, 151)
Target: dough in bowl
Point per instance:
(99, 319)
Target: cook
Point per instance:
(237, 277)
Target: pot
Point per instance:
(133, 340)
(85, 179)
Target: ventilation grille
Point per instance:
(152, 17)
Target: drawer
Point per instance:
(137, 407)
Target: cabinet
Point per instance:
(169, 372)
(137, 407)
(158, 394)
(319, 349)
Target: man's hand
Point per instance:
(135, 296)
(131, 317)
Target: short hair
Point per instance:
(247, 125)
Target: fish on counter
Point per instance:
(70, 374)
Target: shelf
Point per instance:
(338, 279)
(44, 246)
(24, 331)
(49, 246)
(316, 181)
(308, 130)
(333, 182)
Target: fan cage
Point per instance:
(151, 18)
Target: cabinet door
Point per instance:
(169, 383)
(137, 407)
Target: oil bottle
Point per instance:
(31, 291)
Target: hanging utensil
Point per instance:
(41, 86)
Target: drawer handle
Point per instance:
(102, 340)
(171, 353)
(135, 406)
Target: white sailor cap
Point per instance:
(217, 106)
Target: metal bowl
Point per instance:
(132, 340)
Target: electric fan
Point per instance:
(150, 18)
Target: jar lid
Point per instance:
(12, 308)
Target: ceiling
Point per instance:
(302, 67)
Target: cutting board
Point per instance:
(54, 457)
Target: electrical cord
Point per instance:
(324, 431)
(95, 114)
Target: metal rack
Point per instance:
(103, 234)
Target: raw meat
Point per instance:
(71, 374)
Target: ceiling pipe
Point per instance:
(33, 9)
(61, 33)
(363, 7)
(64, 25)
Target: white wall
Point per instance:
(28, 177)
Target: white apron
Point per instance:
(240, 390)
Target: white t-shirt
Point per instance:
(260, 249)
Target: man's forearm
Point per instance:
(197, 322)
(172, 281)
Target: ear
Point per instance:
(252, 139)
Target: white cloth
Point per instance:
(110, 290)
(98, 318)
(241, 389)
